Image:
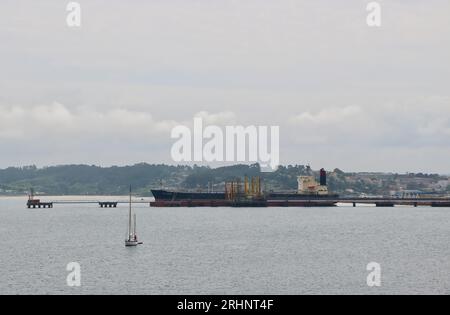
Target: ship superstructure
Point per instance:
(307, 185)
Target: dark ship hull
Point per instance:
(164, 198)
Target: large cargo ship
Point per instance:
(249, 194)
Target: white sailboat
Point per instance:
(132, 239)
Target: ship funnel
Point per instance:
(323, 177)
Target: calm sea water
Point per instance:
(224, 251)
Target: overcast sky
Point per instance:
(344, 94)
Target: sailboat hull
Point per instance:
(131, 243)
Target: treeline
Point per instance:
(85, 179)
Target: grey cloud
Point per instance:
(335, 87)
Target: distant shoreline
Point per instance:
(71, 195)
(84, 180)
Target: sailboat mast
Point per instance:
(129, 216)
(134, 230)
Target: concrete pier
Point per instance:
(107, 204)
(39, 204)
